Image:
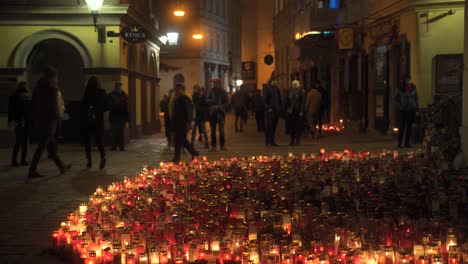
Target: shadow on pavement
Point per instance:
(86, 181)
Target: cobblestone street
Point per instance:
(38, 206)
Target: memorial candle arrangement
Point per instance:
(333, 207)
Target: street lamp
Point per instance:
(239, 83)
(172, 38)
(197, 36)
(94, 7)
(179, 13)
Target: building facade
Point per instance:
(197, 61)
(257, 42)
(361, 50)
(62, 34)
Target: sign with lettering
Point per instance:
(133, 34)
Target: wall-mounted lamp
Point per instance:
(94, 7)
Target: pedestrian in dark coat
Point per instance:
(19, 117)
(46, 113)
(239, 102)
(218, 103)
(93, 105)
(182, 118)
(407, 104)
(201, 114)
(164, 106)
(259, 110)
(118, 116)
(272, 97)
(324, 108)
(295, 112)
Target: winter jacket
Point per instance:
(218, 103)
(258, 103)
(296, 102)
(99, 102)
(118, 106)
(407, 99)
(201, 107)
(239, 101)
(272, 97)
(45, 106)
(182, 115)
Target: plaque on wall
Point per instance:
(345, 38)
(449, 74)
(249, 71)
(133, 34)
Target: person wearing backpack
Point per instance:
(182, 118)
(406, 99)
(94, 104)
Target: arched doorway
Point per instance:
(67, 60)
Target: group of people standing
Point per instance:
(300, 109)
(178, 107)
(44, 111)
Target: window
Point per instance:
(334, 4)
(330, 4)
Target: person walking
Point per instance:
(272, 97)
(118, 116)
(313, 103)
(407, 102)
(164, 106)
(93, 105)
(46, 113)
(295, 110)
(259, 110)
(239, 102)
(218, 103)
(19, 117)
(324, 106)
(201, 114)
(182, 118)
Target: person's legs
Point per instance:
(202, 127)
(194, 133)
(262, 120)
(299, 124)
(178, 142)
(213, 122)
(221, 132)
(53, 147)
(236, 120)
(115, 135)
(409, 128)
(274, 126)
(16, 147)
(25, 145)
(41, 147)
(100, 145)
(87, 144)
(241, 122)
(401, 127)
(269, 129)
(190, 148)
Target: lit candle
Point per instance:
(83, 209)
